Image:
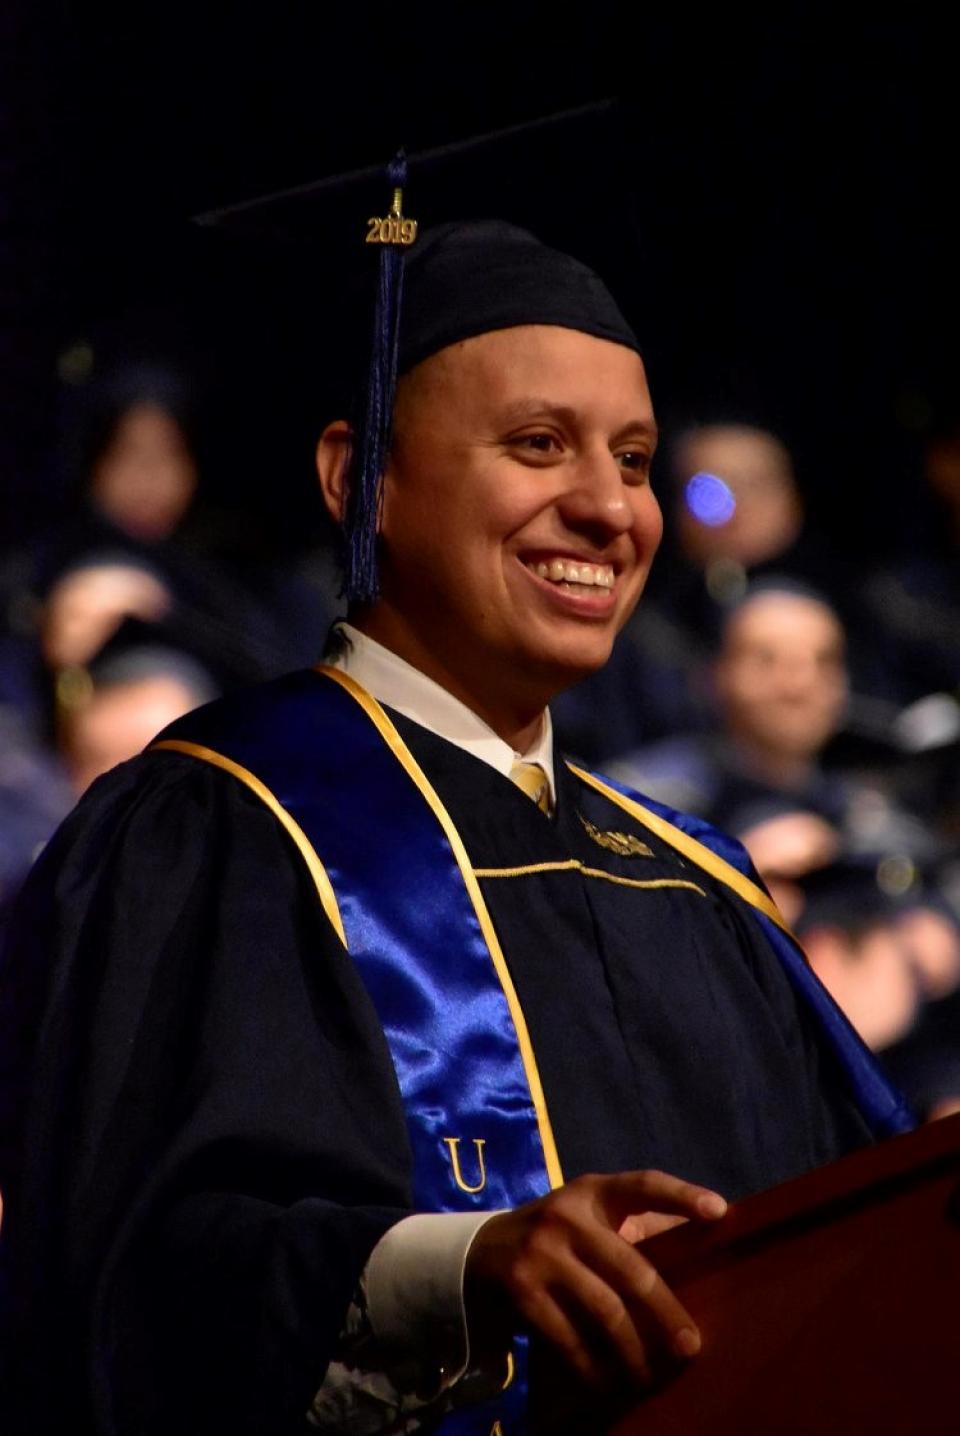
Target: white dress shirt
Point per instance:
(397, 683)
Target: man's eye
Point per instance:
(539, 443)
(635, 460)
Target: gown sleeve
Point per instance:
(201, 1136)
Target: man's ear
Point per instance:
(334, 451)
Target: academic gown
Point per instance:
(214, 1138)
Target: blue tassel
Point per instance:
(372, 443)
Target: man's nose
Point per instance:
(596, 497)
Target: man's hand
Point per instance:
(566, 1267)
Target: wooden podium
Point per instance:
(829, 1306)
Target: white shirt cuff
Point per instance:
(413, 1283)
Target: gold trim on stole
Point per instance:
(318, 872)
(697, 852)
(406, 759)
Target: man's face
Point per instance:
(518, 520)
(781, 677)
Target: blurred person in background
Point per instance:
(785, 843)
(886, 945)
(135, 536)
(849, 928)
(109, 701)
(736, 505)
(926, 1062)
(144, 478)
(130, 476)
(131, 463)
(88, 603)
(134, 690)
(104, 594)
(780, 687)
(737, 515)
(141, 454)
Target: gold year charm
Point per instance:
(394, 228)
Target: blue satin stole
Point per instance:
(414, 922)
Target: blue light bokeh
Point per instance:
(709, 499)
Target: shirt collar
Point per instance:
(397, 683)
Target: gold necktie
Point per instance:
(533, 780)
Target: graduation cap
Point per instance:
(855, 892)
(139, 650)
(221, 656)
(419, 235)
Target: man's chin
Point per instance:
(566, 670)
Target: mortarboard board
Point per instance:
(855, 893)
(443, 271)
(139, 650)
(859, 889)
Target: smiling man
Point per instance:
(351, 986)
(518, 523)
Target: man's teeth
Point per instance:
(564, 570)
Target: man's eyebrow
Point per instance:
(647, 427)
(534, 408)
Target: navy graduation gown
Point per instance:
(214, 1139)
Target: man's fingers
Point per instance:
(567, 1266)
(610, 1324)
(634, 1192)
(544, 1313)
(640, 1225)
(643, 1291)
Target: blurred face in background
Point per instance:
(765, 515)
(118, 722)
(781, 678)
(146, 477)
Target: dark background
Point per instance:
(790, 173)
